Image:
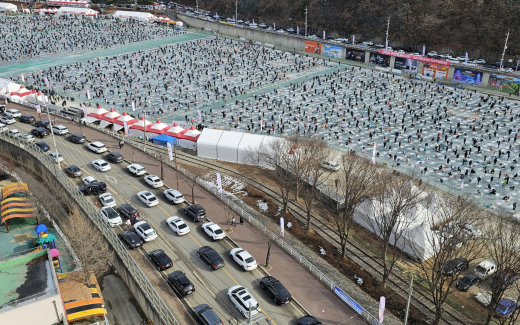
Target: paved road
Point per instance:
(211, 285)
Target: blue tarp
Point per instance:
(163, 139)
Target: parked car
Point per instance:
(73, 171)
(159, 258)
(213, 230)
(153, 181)
(60, 129)
(173, 196)
(7, 120)
(177, 225)
(148, 198)
(330, 165)
(40, 132)
(504, 278)
(97, 147)
(479, 61)
(206, 315)
(485, 269)
(195, 212)
(107, 200)
(467, 282)
(145, 231)
(483, 298)
(211, 257)
(505, 307)
(27, 119)
(243, 301)
(114, 157)
(93, 188)
(455, 266)
(13, 112)
(308, 320)
(131, 239)
(243, 259)
(128, 212)
(77, 138)
(180, 283)
(56, 157)
(101, 165)
(43, 124)
(276, 290)
(111, 217)
(136, 169)
(42, 145)
(432, 53)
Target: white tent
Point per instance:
(227, 147)
(207, 143)
(137, 129)
(78, 12)
(250, 143)
(6, 6)
(139, 16)
(36, 98)
(156, 129)
(189, 139)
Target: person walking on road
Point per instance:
(121, 144)
(234, 221)
(241, 220)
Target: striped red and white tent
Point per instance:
(189, 139)
(111, 116)
(98, 112)
(157, 128)
(137, 129)
(175, 131)
(21, 92)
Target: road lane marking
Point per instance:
(232, 278)
(194, 239)
(202, 283)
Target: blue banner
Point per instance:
(468, 77)
(349, 301)
(333, 51)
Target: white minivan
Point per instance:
(485, 268)
(97, 147)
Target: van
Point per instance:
(486, 268)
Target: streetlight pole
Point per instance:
(176, 167)
(387, 28)
(197, 3)
(504, 52)
(410, 290)
(236, 12)
(144, 132)
(306, 11)
(53, 138)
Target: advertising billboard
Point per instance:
(379, 60)
(468, 77)
(414, 57)
(504, 83)
(313, 47)
(406, 64)
(437, 71)
(355, 55)
(333, 51)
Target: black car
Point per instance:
(93, 188)
(128, 212)
(467, 282)
(43, 124)
(40, 132)
(77, 138)
(195, 212)
(27, 119)
(308, 320)
(181, 284)
(211, 257)
(45, 147)
(206, 315)
(73, 171)
(114, 157)
(276, 290)
(131, 239)
(455, 266)
(504, 277)
(159, 258)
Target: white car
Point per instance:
(111, 217)
(7, 120)
(148, 198)
(213, 230)
(330, 165)
(369, 43)
(469, 64)
(178, 225)
(101, 165)
(243, 301)
(462, 58)
(243, 258)
(87, 180)
(153, 181)
(13, 133)
(145, 231)
(281, 31)
(28, 137)
(262, 25)
(3, 128)
(432, 53)
(444, 56)
(60, 129)
(401, 51)
(97, 147)
(136, 169)
(174, 196)
(107, 200)
(312, 36)
(13, 112)
(56, 157)
(479, 61)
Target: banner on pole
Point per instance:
(382, 302)
(219, 183)
(126, 127)
(170, 151)
(282, 227)
(133, 106)
(84, 110)
(88, 93)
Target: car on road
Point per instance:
(153, 181)
(13, 112)
(330, 165)
(93, 188)
(73, 171)
(7, 120)
(43, 124)
(40, 132)
(432, 53)
(89, 179)
(243, 259)
(148, 198)
(136, 169)
(131, 239)
(455, 266)
(467, 282)
(128, 211)
(479, 61)
(368, 43)
(101, 165)
(27, 119)
(3, 128)
(213, 230)
(181, 284)
(469, 64)
(195, 212)
(308, 320)
(505, 307)
(159, 258)
(177, 225)
(174, 196)
(114, 157)
(60, 129)
(27, 137)
(111, 217)
(206, 315)
(107, 200)
(145, 231)
(243, 301)
(13, 133)
(77, 138)
(276, 290)
(211, 257)
(56, 157)
(97, 147)
(44, 146)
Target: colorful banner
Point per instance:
(333, 51)
(437, 71)
(414, 57)
(355, 55)
(379, 60)
(468, 77)
(406, 65)
(504, 83)
(313, 47)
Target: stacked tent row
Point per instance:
(19, 93)
(16, 203)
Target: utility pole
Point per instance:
(144, 133)
(162, 171)
(306, 11)
(410, 290)
(197, 6)
(236, 12)
(503, 53)
(53, 138)
(387, 28)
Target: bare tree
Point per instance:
(443, 236)
(512, 317)
(191, 180)
(389, 214)
(88, 244)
